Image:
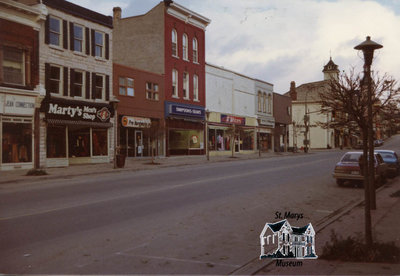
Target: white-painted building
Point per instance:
(233, 107)
(306, 113)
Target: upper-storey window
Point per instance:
(13, 65)
(174, 42)
(55, 29)
(152, 91)
(174, 83)
(185, 46)
(259, 100)
(195, 51)
(269, 110)
(55, 79)
(99, 44)
(78, 38)
(195, 88)
(264, 102)
(126, 86)
(99, 87)
(185, 85)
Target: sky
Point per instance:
(280, 41)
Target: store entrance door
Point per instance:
(138, 143)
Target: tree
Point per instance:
(346, 98)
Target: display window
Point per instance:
(56, 144)
(186, 139)
(79, 141)
(100, 142)
(219, 140)
(17, 143)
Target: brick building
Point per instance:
(76, 69)
(140, 111)
(170, 40)
(283, 118)
(20, 23)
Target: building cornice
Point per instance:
(188, 16)
(23, 14)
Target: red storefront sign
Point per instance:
(229, 119)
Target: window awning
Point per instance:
(77, 123)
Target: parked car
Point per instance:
(390, 157)
(348, 168)
(378, 143)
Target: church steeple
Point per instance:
(331, 70)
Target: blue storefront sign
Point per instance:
(184, 110)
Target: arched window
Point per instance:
(269, 103)
(259, 100)
(185, 46)
(174, 42)
(195, 51)
(265, 102)
(195, 87)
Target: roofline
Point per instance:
(190, 12)
(236, 73)
(79, 11)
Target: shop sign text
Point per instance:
(229, 119)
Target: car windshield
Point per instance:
(387, 155)
(351, 157)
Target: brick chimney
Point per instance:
(292, 92)
(117, 14)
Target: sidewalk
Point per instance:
(131, 164)
(385, 228)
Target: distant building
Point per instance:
(283, 119)
(170, 40)
(306, 111)
(265, 110)
(20, 25)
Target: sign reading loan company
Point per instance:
(229, 119)
(77, 111)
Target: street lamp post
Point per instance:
(207, 138)
(114, 102)
(368, 47)
(306, 126)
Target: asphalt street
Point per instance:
(199, 219)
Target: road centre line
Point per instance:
(184, 184)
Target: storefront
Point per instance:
(266, 137)
(16, 131)
(76, 132)
(139, 136)
(227, 131)
(184, 129)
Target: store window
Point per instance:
(219, 140)
(174, 42)
(17, 143)
(195, 51)
(78, 38)
(185, 46)
(186, 139)
(126, 86)
(186, 86)
(55, 31)
(195, 87)
(55, 80)
(99, 88)
(78, 141)
(56, 144)
(174, 83)
(13, 65)
(99, 44)
(151, 91)
(100, 145)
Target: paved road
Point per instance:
(203, 219)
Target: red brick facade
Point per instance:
(181, 65)
(24, 37)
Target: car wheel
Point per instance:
(340, 182)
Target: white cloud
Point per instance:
(283, 40)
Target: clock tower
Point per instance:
(331, 71)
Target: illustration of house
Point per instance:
(281, 240)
